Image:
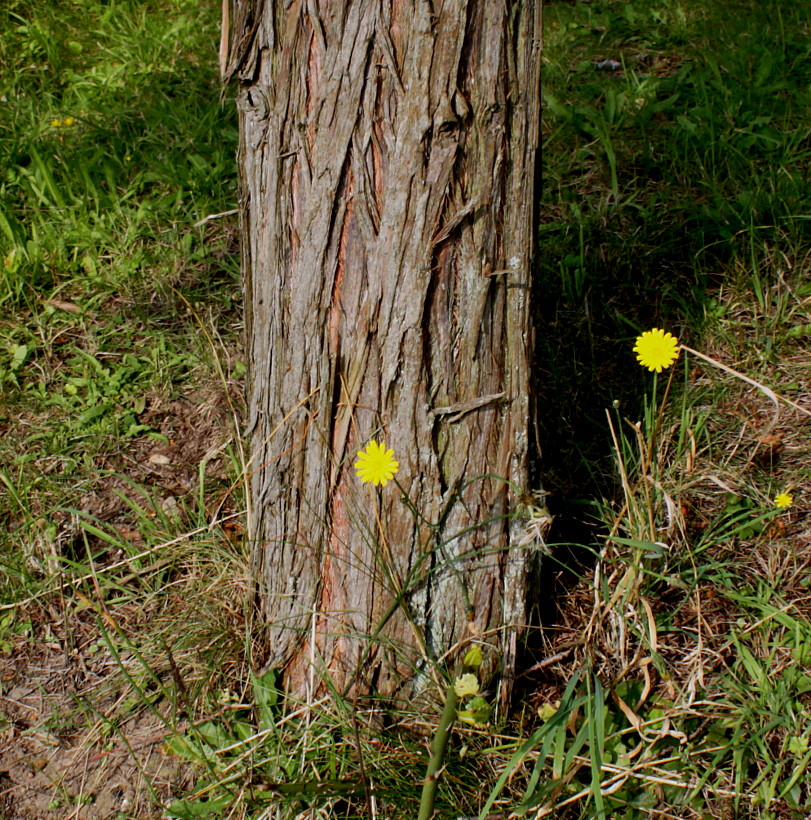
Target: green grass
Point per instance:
(671, 678)
(661, 178)
(114, 146)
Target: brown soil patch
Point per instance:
(196, 433)
(66, 749)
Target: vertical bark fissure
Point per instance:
(387, 217)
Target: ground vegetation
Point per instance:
(668, 674)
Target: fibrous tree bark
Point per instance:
(388, 159)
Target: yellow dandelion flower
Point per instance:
(56, 123)
(656, 349)
(784, 500)
(68, 121)
(548, 710)
(465, 685)
(376, 464)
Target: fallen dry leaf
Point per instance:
(70, 307)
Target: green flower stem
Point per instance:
(649, 458)
(438, 747)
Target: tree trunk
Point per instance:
(388, 163)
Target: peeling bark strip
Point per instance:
(388, 156)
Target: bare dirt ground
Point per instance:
(78, 741)
(65, 752)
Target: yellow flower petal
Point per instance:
(466, 685)
(376, 464)
(784, 500)
(548, 710)
(656, 349)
